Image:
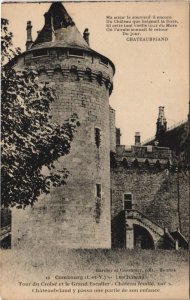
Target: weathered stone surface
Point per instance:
(155, 194)
(83, 213)
(73, 216)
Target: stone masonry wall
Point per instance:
(112, 130)
(72, 216)
(154, 194)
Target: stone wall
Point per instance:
(155, 193)
(73, 216)
(112, 130)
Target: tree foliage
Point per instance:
(30, 139)
(185, 145)
(7, 49)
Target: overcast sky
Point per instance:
(148, 74)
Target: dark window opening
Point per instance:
(6, 242)
(157, 165)
(97, 137)
(75, 52)
(98, 190)
(125, 163)
(61, 53)
(41, 52)
(99, 77)
(135, 164)
(128, 196)
(113, 162)
(127, 201)
(104, 61)
(147, 164)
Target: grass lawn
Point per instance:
(114, 273)
(122, 273)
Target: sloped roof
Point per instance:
(59, 30)
(171, 138)
(69, 38)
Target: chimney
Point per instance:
(29, 35)
(86, 34)
(161, 116)
(137, 139)
(118, 136)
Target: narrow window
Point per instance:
(135, 164)
(98, 200)
(97, 137)
(125, 163)
(98, 190)
(75, 52)
(41, 52)
(147, 164)
(157, 165)
(104, 61)
(127, 201)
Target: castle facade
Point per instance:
(115, 196)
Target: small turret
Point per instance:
(118, 136)
(137, 139)
(29, 35)
(161, 125)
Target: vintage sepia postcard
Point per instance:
(95, 120)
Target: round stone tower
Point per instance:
(76, 215)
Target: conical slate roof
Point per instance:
(59, 30)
